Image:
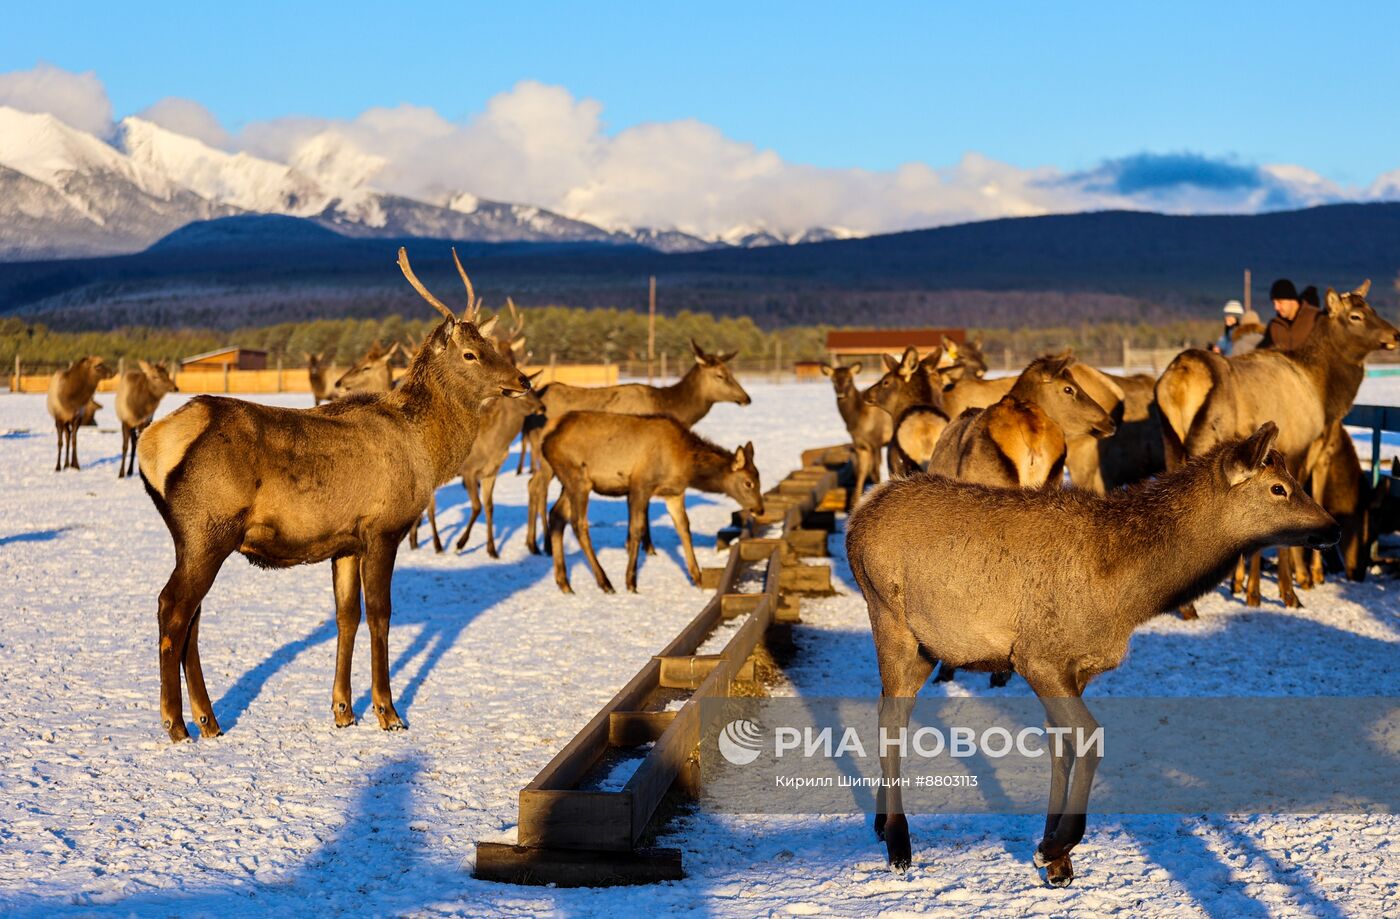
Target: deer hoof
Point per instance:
(1188, 612)
(389, 719)
(209, 727)
(607, 588)
(177, 731)
(1059, 872)
(344, 714)
(897, 842)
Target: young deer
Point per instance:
(1205, 398)
(641, 457)
(70, 391)
(341, 482)
(869, 426)
(316, 369)
(1134, 452)
(138, 395)
(371, 374)
(911, 393)
(688, 400)
(1052, 583)
(501, 422)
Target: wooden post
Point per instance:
(279, 373)
(1126, 348)
(226, 366)
(651, 325)
(1247, 286)
(15, 386)
(551, 367)
(777, 360)
(121, 367)
(663, 365)
(1006, 357)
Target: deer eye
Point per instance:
(1280, 491)
(1069, 390)
(1355, 317)
(468, 355)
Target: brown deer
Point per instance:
(70, 391)
(1341, 486)
(1134, 452)
(688, 400)
(1052, 583)
(1205, 398)
(371, 374)
(88, 419)
(316, 370)
(966, 359)
(501, 422)
(138, 395)
(911, 393)
(870, 427)
(341, 482)
(641, 457)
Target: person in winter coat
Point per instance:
(1248, 334)
(1293, 320)
(1233, 311)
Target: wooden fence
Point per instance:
(295, 380)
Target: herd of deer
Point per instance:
(991, 562)
(974, 554)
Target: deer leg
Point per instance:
(863, 463)
(903, 671)
(59, 428)
(1237, 579)
(488, 498)
(121, 464)
(135, 439)
(1252, 592)
(181, 597)
(472, 488)
(945, 673)
(539, 498)
(413, 532)
(647, 544)
(675, 505)
(579, 502)
(73, 440)
(1315, 568)
(432, 522)
(1075, 758)
(345, 576)
(1285, 578)
(376, 576)
(200, 706)
(557, 516)
(636, 520)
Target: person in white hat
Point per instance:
(1233, 311)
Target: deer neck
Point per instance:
(1161, 548)
(1335, 364)
(682, 400)
(848, 403)
(708, 469)
(444, 421)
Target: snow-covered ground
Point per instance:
(494, 670)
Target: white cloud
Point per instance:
(79, 99)
(187, 117)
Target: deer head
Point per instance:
(741, 480)
(716, 382)
(908, 381)
(1047, 382)
(459, 355)
(95, 365)
(1263, 499)
(1365, 331)
(158, 378)
(371, 373)
(843, 378)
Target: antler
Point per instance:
(407, 270)
(517, 321)
(473, 310)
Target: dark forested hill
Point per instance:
(1057, 270)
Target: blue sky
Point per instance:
(868, 117)
(843, 85)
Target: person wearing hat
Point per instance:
(1293, 320)
(1246, 336)
(1233, 311)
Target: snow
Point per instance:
(494, 670)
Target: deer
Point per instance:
(641, 457)
(869, 426)
(70, 391)
(316, 370)
(371, 374)
(1205, 398)
(1052, 583)
(138, 395)
(966, 359)
(341, 482)
(910, 392)
(1341, 486)
(501, 422)
(708, 382)
(1134, 452)
(88, 419)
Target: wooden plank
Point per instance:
(632, 729)
(732, 606)
(579, 754)
(807, 543)
(571, 819)
(689, 671)
(505, 863)
(807, 578)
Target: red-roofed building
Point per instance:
(849, 343)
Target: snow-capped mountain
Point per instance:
(66, 193)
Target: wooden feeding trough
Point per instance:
(570, 834)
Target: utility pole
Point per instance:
(1247, 286)
(651, 326)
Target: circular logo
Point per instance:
(740, 742)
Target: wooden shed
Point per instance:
(232, 358)
(845, 344)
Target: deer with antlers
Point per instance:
(341, 482)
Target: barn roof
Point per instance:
(875, 340)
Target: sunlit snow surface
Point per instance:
(494, 670)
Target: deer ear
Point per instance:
(1251, 454)
(145, 367)
(536, 375)
(1364, 289)
(726, 358)
(748, 451)
(699, 351)
(909, 362)
(486, 328)
(977, 342)
(891, 363)
(1335, 306)
(827, 370)
(738, 459)
(933, 358)
(855, 368)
